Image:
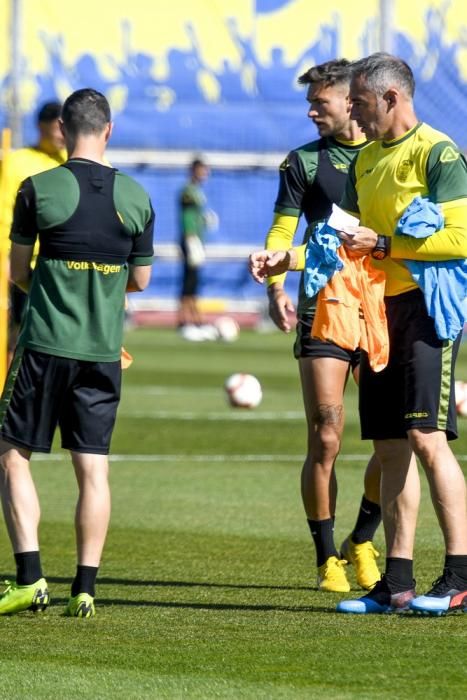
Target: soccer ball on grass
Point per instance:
(227, 329)
(243, 390)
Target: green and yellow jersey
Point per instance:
(311, 178)
(91, 222)
(423, 162)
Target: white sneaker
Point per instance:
(209, 331)
(191, 332)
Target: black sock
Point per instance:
(85, 580)
(399, 574)
(457, 563)
(28, 568)
(322, 532)
(368, 520)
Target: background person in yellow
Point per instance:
(47, 153)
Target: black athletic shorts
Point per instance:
(306, 346)
(416, 389)
(43, 391)
(190, 280)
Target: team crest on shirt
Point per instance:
(403, 170)
(448, 155)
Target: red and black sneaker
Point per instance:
(379, 600)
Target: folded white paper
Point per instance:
(340, 219)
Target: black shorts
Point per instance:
(43, 391)
(416, 389)
(190, 280)
(306, 346)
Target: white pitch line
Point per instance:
(234, 415)
(63, 456)
(160, 390)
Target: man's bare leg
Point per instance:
(93, 507)
(19, 498)
(448, 494)
(323, 384)
(447, 486)
(21, 511)
(91, 523)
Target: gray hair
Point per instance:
(382, 70)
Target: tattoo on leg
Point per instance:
(327, 414)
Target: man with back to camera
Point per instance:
(95, 230)
(312, 177)
(405, 159)
(47, 153)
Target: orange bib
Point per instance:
(350, 310)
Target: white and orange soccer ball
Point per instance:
(243, 390)
(227, 329)
(460, 388)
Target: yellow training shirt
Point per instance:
(383, 180)
(18, 166)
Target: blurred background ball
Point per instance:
(461, 398)
(227, 328)
(243, 390)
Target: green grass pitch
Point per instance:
(207, 585)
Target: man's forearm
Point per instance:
(280, 237)
(297, 257)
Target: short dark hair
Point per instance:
(335, 72)
(48, 112)
(85, 112)
(381, 70)
(197, 162)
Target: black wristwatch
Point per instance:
(382, 247)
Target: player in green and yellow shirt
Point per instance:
(193, 218)
(311, 179)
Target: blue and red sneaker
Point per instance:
(449, 594)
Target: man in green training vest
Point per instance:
(95, 232)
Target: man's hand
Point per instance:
(280, 305)
(267, 263)
(359, 240)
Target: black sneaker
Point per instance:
(449, 593)
(379, 600)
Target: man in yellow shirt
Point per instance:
(46, 154)
(409, 407)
